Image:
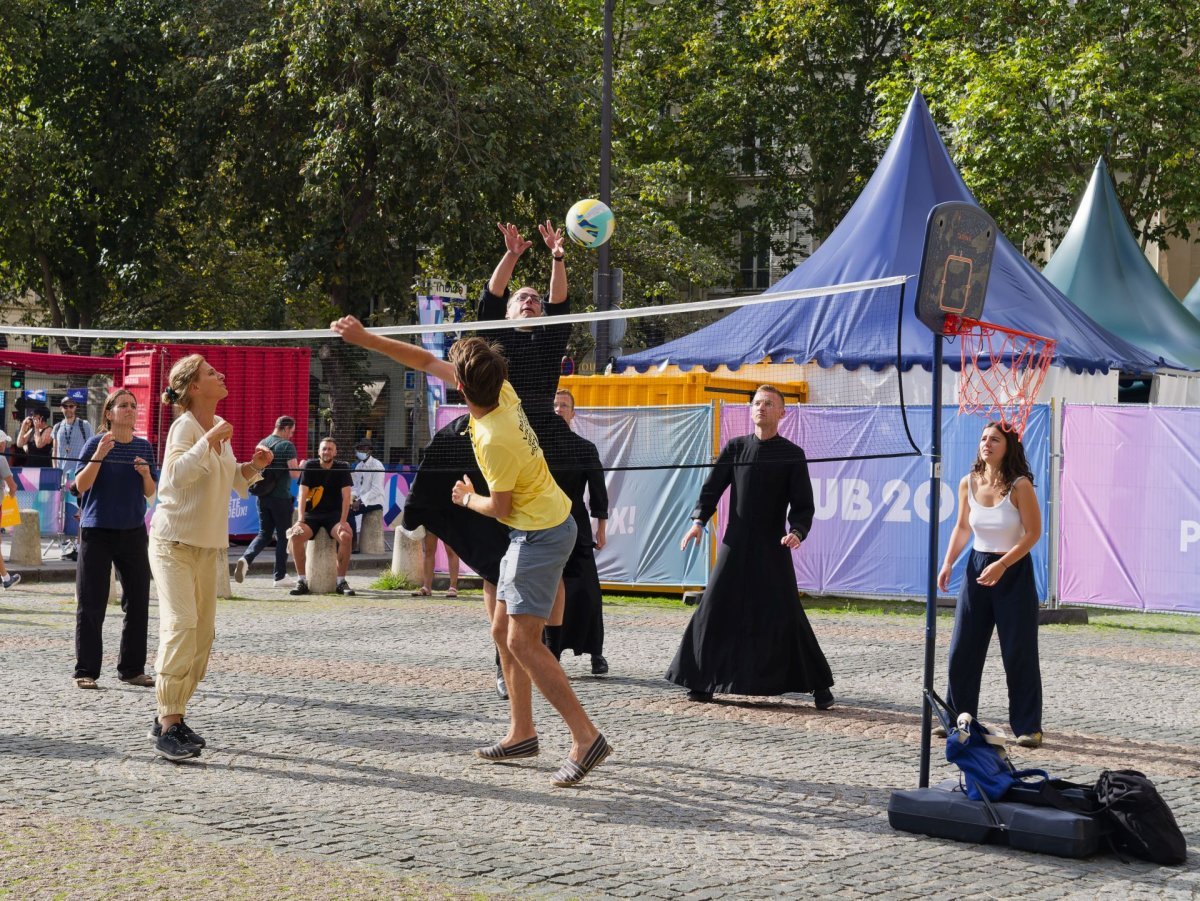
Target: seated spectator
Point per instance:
(367, 492)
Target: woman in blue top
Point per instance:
(114, 486)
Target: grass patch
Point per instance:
(390, 581)
(1168, 623)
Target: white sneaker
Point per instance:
(283, 583)
(239, 569)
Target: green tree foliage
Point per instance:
(85, 152)
(1032, 92)
(759, 110)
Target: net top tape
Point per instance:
(471, 325)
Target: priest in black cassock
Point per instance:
(749, 635)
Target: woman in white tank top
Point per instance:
(998, 506)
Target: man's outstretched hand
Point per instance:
(553, 238)
(513, 242)
(351, 330)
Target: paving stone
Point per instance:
(341, 733)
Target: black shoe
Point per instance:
(72, 554)
(193, 737)
(599, 665)
(173, 745)
(301, 588)
(702, 696)
(344, 588)
(823, 698)
(501, 685)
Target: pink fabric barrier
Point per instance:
(1130, 525)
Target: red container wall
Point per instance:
(264, 383)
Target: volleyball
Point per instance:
(590, 223)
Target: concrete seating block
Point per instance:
(321, 563)
(27, 540)
(370, 539)
(408, 557)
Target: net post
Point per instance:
(1054, 502)
(935, 497)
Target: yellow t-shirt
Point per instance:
(510, 459)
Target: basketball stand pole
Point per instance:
(935, 503)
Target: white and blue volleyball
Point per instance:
(590, 223)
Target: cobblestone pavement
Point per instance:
(339, 765)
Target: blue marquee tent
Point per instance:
(1101, 267)
(883, 235)
(1192, 300)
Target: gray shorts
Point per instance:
(532, 567)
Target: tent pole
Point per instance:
(935, 499)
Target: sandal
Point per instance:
(522, 749)
(421, 592)
(451, 592)
(142, 680)
(85, 682)
(572, 773)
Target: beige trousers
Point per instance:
(186, 579)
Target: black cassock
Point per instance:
(534, 359)
(582, 630)
(749, 635)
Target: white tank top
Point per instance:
(997, 529)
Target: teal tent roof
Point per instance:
(1100, 266)
(1192, 300)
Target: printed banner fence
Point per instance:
(870, 532)
(648, 509)
(1130, 525)
(41, 488)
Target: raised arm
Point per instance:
(410, 355)
(514, 246)
(558, 267)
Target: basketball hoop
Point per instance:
(1002, 370)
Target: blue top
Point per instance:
(116, 499)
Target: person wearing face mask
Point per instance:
(366, 494)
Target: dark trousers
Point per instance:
(99, 551)
(355, 516)
(274, 518)
(1011, 608)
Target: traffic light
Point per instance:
(18, 379)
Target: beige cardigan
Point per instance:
(194, 486)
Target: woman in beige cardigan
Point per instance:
(189, 529)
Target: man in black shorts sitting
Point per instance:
(324, 503)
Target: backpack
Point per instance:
(1139, 821)
(275, 470)
(979, 753)
(264, 486)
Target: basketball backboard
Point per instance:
(955, 264)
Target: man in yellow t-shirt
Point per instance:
(524, 497)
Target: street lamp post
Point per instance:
(603, 267)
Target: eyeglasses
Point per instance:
(521, 298)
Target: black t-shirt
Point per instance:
(534, 355)
(325, 488)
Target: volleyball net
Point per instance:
(653, 387)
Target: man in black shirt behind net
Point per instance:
(534, 361)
